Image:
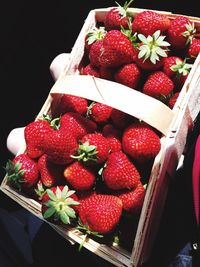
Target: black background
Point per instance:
(32, 34)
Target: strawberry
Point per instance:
(93, 148)
(70, 103)
(116, 50)
(100, 213)
(147, 22)
(151, 51)
(173, 100)
(34, 133)
(90, 70)
(59, 205)
(95, 52)
(140, 142)
(76, 124)
(120, 119)
(132, 199)
(118, 17)
(51, 174)
(59, 146)
(79, 176)
(93, 35)
(177, 69)
(158, 85)
(129, 75)
(113, 135)
(194, 48)
(22, 172)
(180, 32)
(107, 73)
(119, 172)
(99, 112)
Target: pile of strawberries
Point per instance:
(88, 163)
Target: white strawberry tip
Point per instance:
(59, 205)
(153, 47)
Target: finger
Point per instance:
(58, 65)
(15, 140)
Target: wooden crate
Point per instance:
(173, 124)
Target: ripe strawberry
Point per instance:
(147, 22)
(120, 119)
(90, 70)
(22, 172)
(180, 32)
(107, 73)
(34, 133)
(76, 124)
(99, 112)
(95, 52)
(140, 142)
(132, 199)
(119, 172)
(173, 100)
(151, 51)
(93, 35)
(116, 50)
(51, 174)
(158, 85)
(59, 205)
(70, 103)
(118, 17)
(129, 75)
(79, 176)
(113, 135)
(194, 48)
(93, 148)
(59, 146)
(100, 213)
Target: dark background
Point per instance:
(32, 34)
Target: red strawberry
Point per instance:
(100, 213)
(95, 52)
(119, 172)
(59, 205)
(76, 124)
(79, 176)
(90, 70)
(34, 133)
(173, 100)
(93, 148)
(140, 142)
(180, 32)
(99, 112)
(158, 85)
(93, 35)
(120, 119)
(113, 135)
(194, 48)
(151, 51)
(147, 22)
(129, 75)
(51, 174)
(22, 172)
(118, 17)
(59, 146)
(132, 199)
(107, 73)
(69, 103)
(116, 50)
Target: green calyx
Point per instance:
(95, 34)
(86, 152)
(59, 205)
(123, 9)
(181, 68)
(153, 47)
(54, 123)
(15, 174)
(189, 33)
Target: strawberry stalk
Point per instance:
(86, 152)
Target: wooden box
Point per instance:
(174, 125)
